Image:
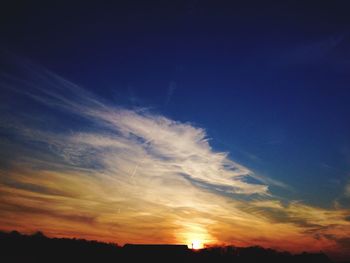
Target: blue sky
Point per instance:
(268, 82)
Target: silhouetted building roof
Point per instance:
(156, 247)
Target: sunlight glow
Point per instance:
(195, 234)
(196, 244)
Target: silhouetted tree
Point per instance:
(16, 247)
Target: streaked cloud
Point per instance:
(130, 175)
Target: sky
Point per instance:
(178, 121)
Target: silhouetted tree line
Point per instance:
(15, 247)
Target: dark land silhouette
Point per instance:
(16, 247)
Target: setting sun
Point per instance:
(196, 244)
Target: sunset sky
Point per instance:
(201, 122)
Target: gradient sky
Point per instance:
(166, 122)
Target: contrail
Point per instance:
(138, 164)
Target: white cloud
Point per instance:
(149, 142)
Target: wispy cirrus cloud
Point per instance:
(129, 175)
(170, 147)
